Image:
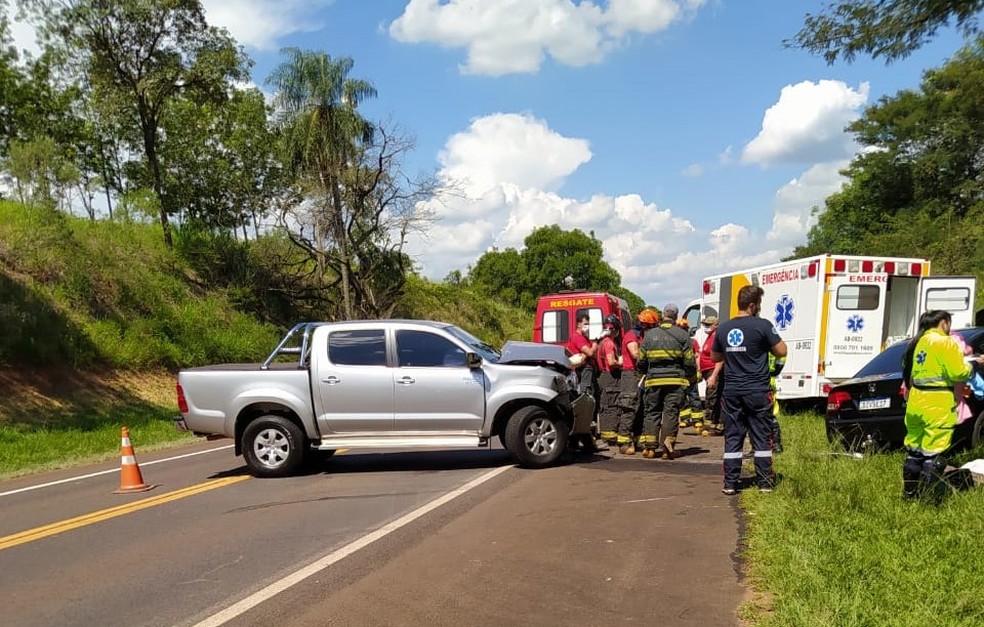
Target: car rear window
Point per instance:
(889, 360)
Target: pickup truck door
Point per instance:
(435, 390)
(354, 383)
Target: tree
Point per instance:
(549, 256)
(219, 163)
(380, 207)
(918, 185)
(890, 29)
(321, 129)
(143, 55)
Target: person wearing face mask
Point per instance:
(741, 348)
(931, 366)
(584, 347)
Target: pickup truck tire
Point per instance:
(535, 437)
(273, 446)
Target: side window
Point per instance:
(858, 297)
(364, 347)
(595, 318)
(423, 349)
(948, 298)
(556, 325)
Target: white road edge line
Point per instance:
(296, 577)
(106, 472)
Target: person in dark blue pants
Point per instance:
(741, 350)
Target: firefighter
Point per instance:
(609, 378)
(692, 412)
(666, 361)
(932, 364)
(628, 397)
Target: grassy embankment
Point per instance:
(836, 546)
(96, 317)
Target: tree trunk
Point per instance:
(149, 127)
(341, 240)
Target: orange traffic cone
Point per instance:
(130, 478)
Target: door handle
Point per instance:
(332, 380)
(405, 380)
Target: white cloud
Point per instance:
(260, 24)
(513, 36)
(514, 148)
(807, 124)
(795, 200)
(509, 168)
(693, 170)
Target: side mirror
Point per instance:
(473, 360)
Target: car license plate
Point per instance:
(874, 403)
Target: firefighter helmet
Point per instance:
(648, 317)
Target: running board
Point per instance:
(333, 442)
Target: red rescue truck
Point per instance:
(557, 314)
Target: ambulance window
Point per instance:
(948, 298)
(595, 318)
(858, 297)
(556, 324)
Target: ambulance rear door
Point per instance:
(951, 293)
(855, 320)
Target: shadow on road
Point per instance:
(420, 461)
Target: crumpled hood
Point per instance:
(535, 354)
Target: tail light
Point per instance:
(836, 399)
(182, 401)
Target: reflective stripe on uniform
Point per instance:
(763, 453)
(663, 353)
(735, 455)
(930, 380)
(654, 381)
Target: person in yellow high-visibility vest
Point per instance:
(932, 364)
(776, 364)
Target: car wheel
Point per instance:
(535, 437)
(273, 446)
(977, 435)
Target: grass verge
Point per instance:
(836, 545)
(56, 419)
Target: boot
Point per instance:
(649, 453)
(669, 452)
(627, 449)
(910, 475)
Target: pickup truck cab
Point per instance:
(385, 383)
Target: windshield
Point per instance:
(486, 351)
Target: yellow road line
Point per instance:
(120, 510)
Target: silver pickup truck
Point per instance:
(386, 383)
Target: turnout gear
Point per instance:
(666, 361)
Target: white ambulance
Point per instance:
(836, 312)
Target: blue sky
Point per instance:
(680, 131)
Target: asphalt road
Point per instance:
(594, 542)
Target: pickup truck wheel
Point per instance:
(534, 437)
(273, 446)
